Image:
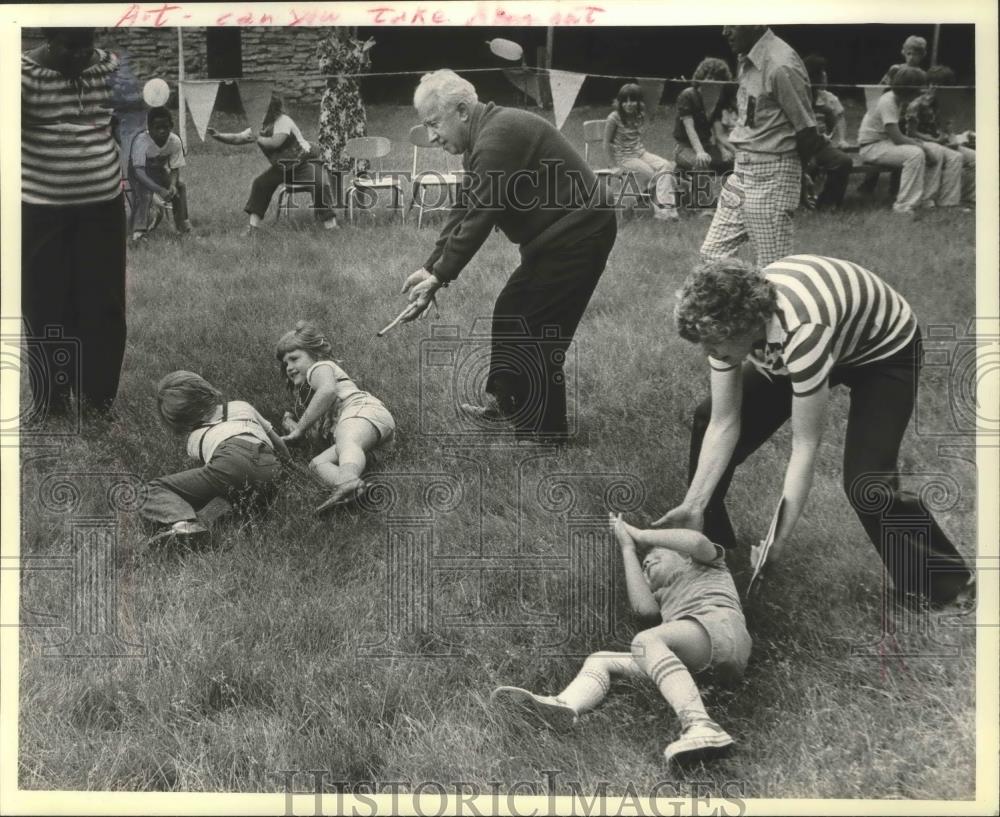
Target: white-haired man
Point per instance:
(525, 178)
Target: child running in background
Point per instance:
(330, 408)
(683, 581)
(234, 444)
(154, 168)
(624, 149)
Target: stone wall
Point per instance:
(288, 55)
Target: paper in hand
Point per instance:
(759, 553)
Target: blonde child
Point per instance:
(234, 444)
(330, 408)
(624, 149)
(684, 583)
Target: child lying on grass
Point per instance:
(683, 581)
(234, 444)
(331, 409)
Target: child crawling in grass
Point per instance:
(683, 581)
(330, 408)
(236, 449)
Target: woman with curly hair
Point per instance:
(697, 107)
(778, 340)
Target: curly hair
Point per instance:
(184, 399)
(712, 68)
(630, 91)
(308, 338)
(723, 299)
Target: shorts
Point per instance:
(370, 408)
(731, 643)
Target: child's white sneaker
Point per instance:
(700, 741)
(666, 214)
(551, 710)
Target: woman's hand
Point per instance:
(288, 422)
(294, 435)
(702, 158)
(681, 517)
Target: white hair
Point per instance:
(913, 41)
(442, 89)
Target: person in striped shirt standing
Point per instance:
(72, 217)
(778, 340)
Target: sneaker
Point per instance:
(185, 227)
(701, 740)
(345, 494)
(556, 714)
(962, 604)
(250, 232)
(666, 214)
(332, 224)
(184, 532)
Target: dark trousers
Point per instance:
(917, 554)
(837, 166)
(73, 285)
(240, 468)
(534, 319)
(309, 172)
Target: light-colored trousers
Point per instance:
(649, 166)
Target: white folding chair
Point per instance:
(444, 181)
(371, 149)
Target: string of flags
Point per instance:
(563, 87)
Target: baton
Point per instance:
(406, 310)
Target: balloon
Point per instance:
(156, 92)
(507, 49)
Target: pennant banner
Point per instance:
(652, 90)
(255, 94)
(200, 97)
(565, 85)
(525, 81)
(872, 94)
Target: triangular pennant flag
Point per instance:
(200, 98)
(872, 94)
(524, 80)
(256, 96)
(652, 90)
(565, 86)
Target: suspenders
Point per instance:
(201, 442)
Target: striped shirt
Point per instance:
(830, 313)
(68, 154)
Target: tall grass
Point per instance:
(257, 652)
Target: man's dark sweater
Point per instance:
(523, 176)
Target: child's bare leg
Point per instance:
(667, 654)
(354, 437)
(326, 465)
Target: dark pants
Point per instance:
(309, 172)
(73, 283)
(917, 554)
(534, 319)
(241, 468)
(837, 166)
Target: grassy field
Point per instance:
(367, 643)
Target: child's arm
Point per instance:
(689, 542)
(840, 130)
(243, 138)
(272, 142)
(324, 386)
(278, 443)
(640, 597)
